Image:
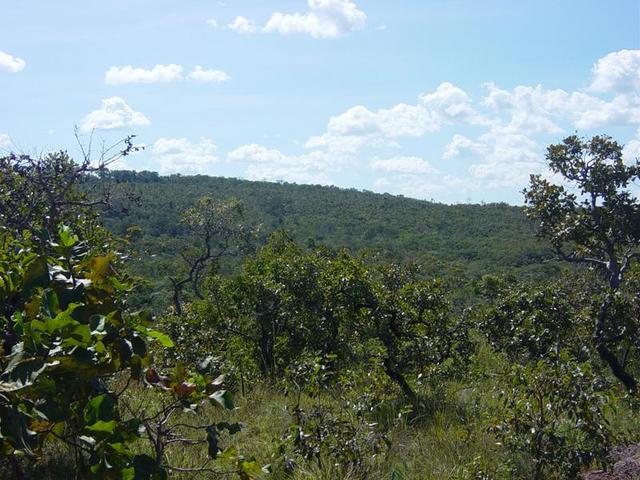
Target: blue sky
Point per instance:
(450, 100)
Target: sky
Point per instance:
(447, 100)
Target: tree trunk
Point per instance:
(401, 381)
(176, 299)
(607, 356)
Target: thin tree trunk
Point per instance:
(401, 381)
(607, 356)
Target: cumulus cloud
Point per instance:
(11, 64)
(631, 150)
(510, 157)
(411, 185)
(617, 72)
(199, 74)
(360, 127)
(114, 114)
(162, 73)
(179, 155)
(450, 104)
(129, 74)
(498, 138)
(265, 163)
(460, 144)
(535, 109)
(242, 25)
(325, 19)
(400, 164)
(515, 125)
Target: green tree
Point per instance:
(69, 339)
(216, 231)
(594, 219)
(45, 192)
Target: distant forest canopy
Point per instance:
(460, 243)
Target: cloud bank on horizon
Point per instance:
(448, 142)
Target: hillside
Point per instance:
(458, 242)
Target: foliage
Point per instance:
(43, 192)
(289, 303)
(598, 219)
(214, 226)
(555, 410)
(323, 433)
(65, 334)
(556, 399)
(458, 243)
(349, 365)
(69, 339)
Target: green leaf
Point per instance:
(36, 275)
(62, 320)
(100, 268)
(80, 336)
(14, 427)
(251, 468)
(128, 473)
(22, 374)
(229, 453)
(102, 426)
(67, 238)
(163, 338)
(224, 398)
(100, 408)
(97, 323)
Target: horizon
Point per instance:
(452, 102)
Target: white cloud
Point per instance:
(179, 155)
(343, 144)
(212, 22)
(5, 141)
(535, 109)
(162, 73)
(409, 185)
(400, 164)
(617, 72)
(631, 150)
(401, 120)
(508, 160)
(199, 74)
(360, 127)
(325, 19)
(114, 113)
(460, 143)
(517, 124)
(242, 25)
(265, 163)
(501, 135)
(450, 104)
(129, 74)
(11, 64)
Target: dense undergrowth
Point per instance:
(451, 438)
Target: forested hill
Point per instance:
(459, 242)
